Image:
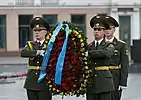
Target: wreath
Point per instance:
(66, 65)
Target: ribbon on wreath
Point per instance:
(61, 58)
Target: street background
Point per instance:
(12, 88)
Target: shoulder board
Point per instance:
(32, 41)
(121, 41)
(30, 44)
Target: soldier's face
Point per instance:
(98, 33)
(110, 32)
(40, 34)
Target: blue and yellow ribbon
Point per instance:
(61, 58)
(47, 53)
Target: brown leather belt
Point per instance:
(34, 67)
(107, 67)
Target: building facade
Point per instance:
(15, 16)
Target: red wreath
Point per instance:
(75, 71)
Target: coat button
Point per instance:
(95, 75)
(95, 63)
(38, 67)
(36, 73)
(37, 62)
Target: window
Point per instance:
(25, 33)
(80, 21)
(125, 29)
(2, 31)
(51, 19)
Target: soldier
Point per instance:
(119, 62)
(34, 51)
(99, 54)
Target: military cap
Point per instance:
(109, 19)
(99, 22)
(39, 23)
(112, 21)
(102, 14)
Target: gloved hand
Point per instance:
(122, 87)
(86, 54)
(40, 52)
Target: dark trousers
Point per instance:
(39, 95)
(99, 96)
(117, 95)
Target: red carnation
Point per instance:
(58, 87)
(71, 84)
(65, 86)
(48, 77)
(71, 43)
(75, 73)
(78, 62)
(81, 72)
(71, 52)
(48, 70)
(60, 39)
(73, 35)
(67, 58)
(66, 62)
(77, 66)
(69, 79)
(78, 54)
(60, 34)
(53, 58)
(73, 61)
(58, 54)
(67, 73)
(73, 57)
(59, 43)
(78, 44)
(77, 84)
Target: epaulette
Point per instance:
(121, 41)
(31, 41)
(30, 44)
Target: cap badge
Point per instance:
(37, 18)
(97, 16)
(97, 24)
(37, 26)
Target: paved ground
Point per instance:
(12, 89)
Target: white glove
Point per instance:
(122, 87)
(40, 52)
(86, 54)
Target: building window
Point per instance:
(25, 33)
(51, 20)
(125, 29)
(2, 31)
(80, 21)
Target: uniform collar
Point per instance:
(99, 41)
(110, 40)
(42, 41)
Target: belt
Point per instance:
(114, 67)
(34, 67)
(107, 67)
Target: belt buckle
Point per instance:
(37, 67)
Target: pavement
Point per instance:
(12, 89)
